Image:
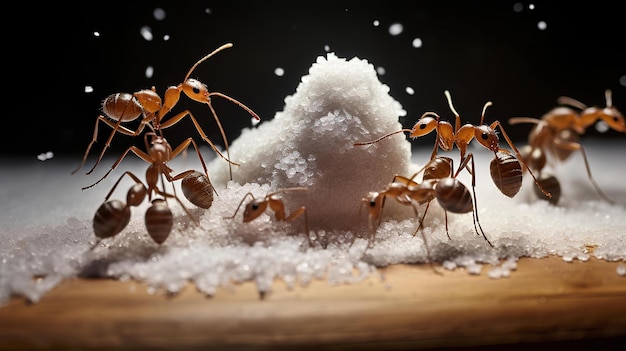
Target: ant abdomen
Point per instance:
(159, 220)
(506, 172)
(111, 218)
(551, 184)
(453, 196)
(122, 106)
(198, 189)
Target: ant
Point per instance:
(438, 182)
(556, 135)
(119, 108)
(113, 215)
(461, 136)
(256, 207)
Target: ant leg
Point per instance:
(577, 146)
(298, 212)
(470, 157)
(203, 135)
(144, 156)
(116, 128)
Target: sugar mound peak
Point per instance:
(310, 143)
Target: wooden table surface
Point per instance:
(404, 307)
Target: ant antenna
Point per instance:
(608, 97)
(240, 203)
(482, 117)
(225, 46)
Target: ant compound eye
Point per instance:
(423, 126)
(196, 90)
(484, 136)
(373, 203)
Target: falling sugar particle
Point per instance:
(149, 71)
(45, 156)
(518, 7)
(380, 70)
(326, 48)
(396, 29)
(166, 37)
(159, 14)
(96, 34)
(376, 23)
(279, 71)
(622, 81)
(207, 11)
(409, 90)
(542, 25)
(417, 43)
(602, 127)
(88, 89)
(146, 33)
(531, 6)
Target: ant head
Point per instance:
(487, 137)
(160, 149)
(196, 90)
(485, 134)
(426, 124)
(254, 209)
(609, 115)
(614, 118)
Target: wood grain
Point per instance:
(403, 307)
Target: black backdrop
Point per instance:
(479, 50)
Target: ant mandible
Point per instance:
(461, 136)
(556, 135)
(125, 107)
(257, 206)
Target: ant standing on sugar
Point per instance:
(119, 108)
(256, 207)
(556, 136)
(439, 181)
(113, 216)
(505, 168)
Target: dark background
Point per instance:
(479, 50)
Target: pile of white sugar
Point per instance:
(309, 144)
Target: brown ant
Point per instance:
(556, 135)
(256, 207)
(119, 108)
(461, 136)
(113, 215)
(440, 182)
